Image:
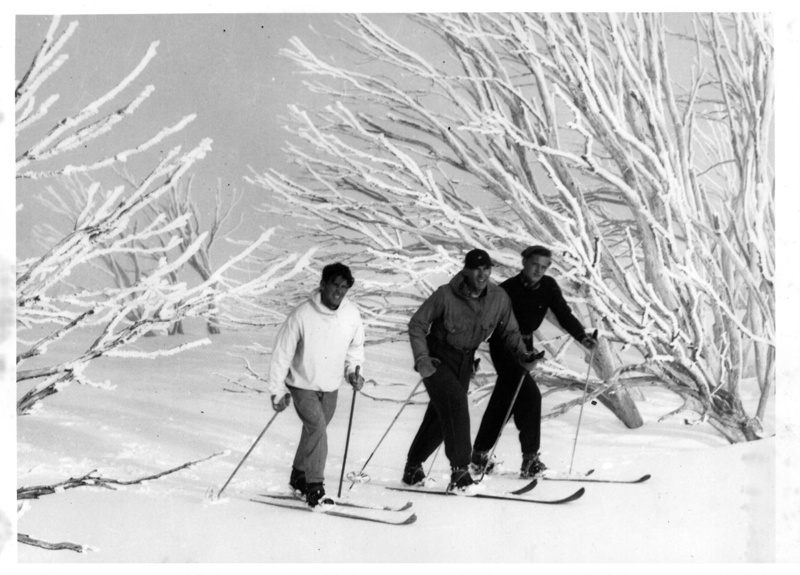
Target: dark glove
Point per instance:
(426, 366)
(590, 341)
(530, 359)
(282, 404)
(355, 379)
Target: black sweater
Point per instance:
(530, 306)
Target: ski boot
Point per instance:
(297, 481)
(532, 466)
(414, 474)
(315, 495)
(483, 465)
(461, 481)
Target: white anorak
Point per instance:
(316, 347)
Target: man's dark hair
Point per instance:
(536, 251)
(332, 271)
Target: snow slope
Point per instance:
(707, 501)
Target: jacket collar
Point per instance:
(459, 286)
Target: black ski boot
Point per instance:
(481, 464)
(532, 466)
(460, 479)
(297, 481)
(413, 474)
(315, 495)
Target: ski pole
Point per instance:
(246, 455)
(347, 441)
(583, 400)
(354, 479)
(435, 455)
(505, 420)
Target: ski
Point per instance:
(336, 511)
(535, 481)
(586, 479)
(344, 503)
(577, 495)
(582, 477)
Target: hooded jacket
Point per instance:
(316, 347)
(451, 316)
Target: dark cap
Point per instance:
(537, 251)
(477, 258)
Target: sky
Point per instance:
(225, 68)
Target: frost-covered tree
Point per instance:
(182, 203)
(110, 225)
(651, 178)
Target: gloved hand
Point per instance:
(282, 404)
(530, 359)
(426, 366)
(590, 341)
(355, 379)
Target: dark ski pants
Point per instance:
(447, 416)
(316, 409)
(527, 412)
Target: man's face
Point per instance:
(534, 267)
(332, 292)
(477, 278)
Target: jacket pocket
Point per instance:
(485, 329)
(454, 321)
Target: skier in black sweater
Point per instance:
(532, 293)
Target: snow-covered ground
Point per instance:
(706, 502)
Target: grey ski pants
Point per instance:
(316, 409)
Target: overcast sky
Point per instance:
(226, 68)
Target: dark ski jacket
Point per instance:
(531, 305)
(450, 316)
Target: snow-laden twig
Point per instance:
(92, 479)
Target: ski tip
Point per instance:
(577, 495)
(643, 478)
(411, 519)
(526, 488)
(406, 506)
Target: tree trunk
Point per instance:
(622, 405)
(619, 400)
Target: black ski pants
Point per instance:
(447, 416)
(527, 412)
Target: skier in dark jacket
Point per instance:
(532, 293)
(444, 333)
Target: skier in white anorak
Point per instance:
(320, 345)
